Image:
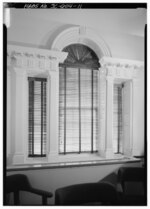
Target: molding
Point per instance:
(122, 68)
(34, 58)
(81, 35)
(60, 165)
(117, 62)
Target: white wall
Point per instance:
(122, 30)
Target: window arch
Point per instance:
(78, 100)
(81, 55)
(82, 35)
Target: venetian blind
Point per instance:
(37, 117)
(117, 119)
(78, 101)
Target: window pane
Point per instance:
(78, 100)
(37, 117)
(72, 110)
(86, 111)
(117, 119)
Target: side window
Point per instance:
(37, 122)
(117, 119)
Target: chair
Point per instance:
(132, 183)
(19, 182)
(87, 194)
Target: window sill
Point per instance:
(72, 164)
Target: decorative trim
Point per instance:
(82, 35)
(33, 58)
(117, 62)
(122, 68)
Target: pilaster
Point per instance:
(102, 111)
(109, 117)
(17, 93)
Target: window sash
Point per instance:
(37, 128)
(78, 108)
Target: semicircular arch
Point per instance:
(81, 35)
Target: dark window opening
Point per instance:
(37, 117)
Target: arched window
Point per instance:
(78, 100)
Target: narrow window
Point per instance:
(117, 119)
(37, 117)
(78, 101)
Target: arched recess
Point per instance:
(86, 36)
(81, 35)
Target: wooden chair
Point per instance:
(19, 182)
(132, 185)
(87, 194)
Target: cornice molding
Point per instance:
(34, 58)
(121, 68)
(123, 63)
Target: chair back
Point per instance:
(133, 184)
(87, 194)
(131, 174)
(17, 182)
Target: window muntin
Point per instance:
(37, 128)
(78, 101)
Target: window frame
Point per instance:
(80, 56)
(39, 159)
(80, 151)
(34, 79)
(119, 140)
